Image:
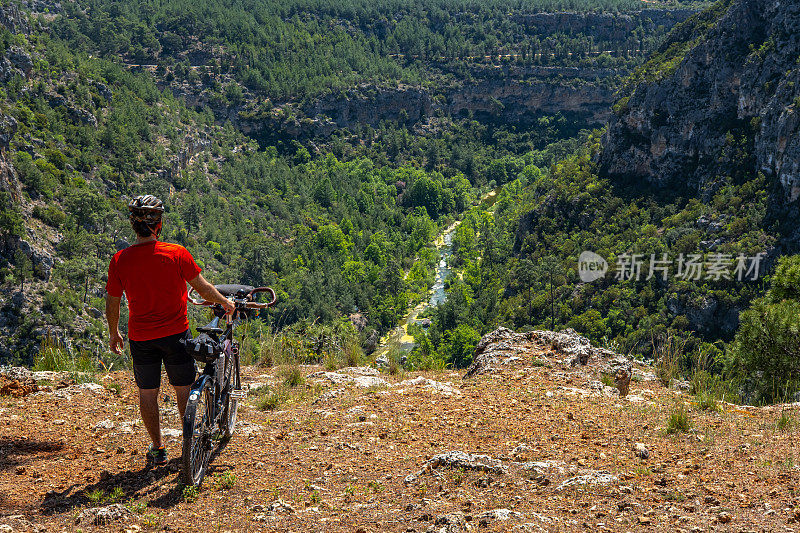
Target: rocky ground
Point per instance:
(532, 440)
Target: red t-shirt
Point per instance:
(153, 276)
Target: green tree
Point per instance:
(23, 268)
(10, 218)
(765, 356)
(459, 344)
(427, 192)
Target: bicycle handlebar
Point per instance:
(246, 302)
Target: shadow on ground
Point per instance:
(126, 485)
(16, 451)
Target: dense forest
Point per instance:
(296, 50)
(519, 263)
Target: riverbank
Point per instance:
(399, 338)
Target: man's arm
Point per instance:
(210, 293)
(112, 315)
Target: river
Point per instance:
(398, 338)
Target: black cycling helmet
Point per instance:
(146, 208)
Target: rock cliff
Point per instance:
(602, 26)
(504, 97)
(720, 98)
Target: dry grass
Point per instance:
(667, 354)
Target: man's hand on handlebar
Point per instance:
(209, 293)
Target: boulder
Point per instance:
(467, 461)
(20, 59)
(363, 377)
(596, 477)
(450, 523)
(620, 370)
(98, 516)
(503, 347)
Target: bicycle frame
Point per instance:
(220, 380)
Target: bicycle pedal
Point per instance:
(238, 394)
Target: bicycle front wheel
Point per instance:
(197, 427)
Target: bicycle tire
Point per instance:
(198, 418)
(231, 407)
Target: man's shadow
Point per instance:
(133, 484)
(123, 487)
(19, 451)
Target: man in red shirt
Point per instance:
(153, 276)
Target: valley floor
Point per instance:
(347, 452)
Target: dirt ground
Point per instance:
(357, 456)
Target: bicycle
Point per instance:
(214, 397)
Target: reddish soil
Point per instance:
(341, 463)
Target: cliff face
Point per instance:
(521, 102)
(497, 98)
(721, 98)
(602, 26)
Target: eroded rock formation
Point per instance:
(722, 99)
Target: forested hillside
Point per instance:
(696, 166)
(298, 49)
(253, 122)
(296, 70)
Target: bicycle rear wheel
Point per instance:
(197, 427)
(231, 407)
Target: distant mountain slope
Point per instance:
(719, 102)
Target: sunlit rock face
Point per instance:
(723, 102)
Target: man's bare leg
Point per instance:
(181, 397)
(148, 405)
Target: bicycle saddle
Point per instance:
(239, 291)
(211, 327)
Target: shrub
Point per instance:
(189, 493)
(707, 402)
(765, 355)
(225, 481)
(292, 376)
(50, 215)
(667, 353)
(53, 356)
(785, 421)
(394, 366)
(271, 399)
(458, 345)
(678, 421)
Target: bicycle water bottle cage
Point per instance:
(203, 349)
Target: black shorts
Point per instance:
(147, 357)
